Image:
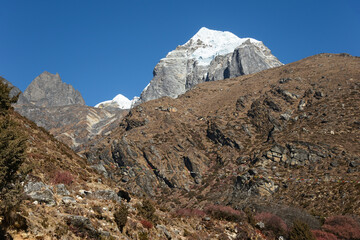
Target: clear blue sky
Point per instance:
(106, 47)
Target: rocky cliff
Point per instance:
(61, 110)
(273, 135)
(208, 56)
(14, 90)
(48, 90)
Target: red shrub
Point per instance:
(188, 212)
(344, 227)
(272, 223)
(146, 224)
(64, 177)
(225, 213)
(320, 235)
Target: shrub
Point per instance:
(320, 235)
(146, 224)
(120, 216)
(12, 155)
(272, 223)
(147, 210)
(64, 177)
(300, 231)
(188, 212)
(344, 227)
(225, 213)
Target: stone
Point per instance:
(68, 200)
(106, 195)
(260, 225)
(34, 187)
(61, 190)
(318, 94)
(285, 116)
(46, 196)
(302, 105)
(99, 168)
(82, 225)
(164, 230)
(353, 164)
(47, 90)
(40, 192)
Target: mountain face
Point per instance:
(47, 90)
(208, 56)
(61, 110)
(284, 136)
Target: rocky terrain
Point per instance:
(269, 155)
(287, 135)
(59, 108)
(209, 55)
(64, 197)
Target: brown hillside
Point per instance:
(65, 198)
(288, 136)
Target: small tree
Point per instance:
(120, 216)
(147, 210)
(5, 99)
(300, 231)
(12, 155)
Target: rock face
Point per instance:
(73, 124)
(14, 90)
(47, 90)
(245, 138)
(61, 110)
(208, 56)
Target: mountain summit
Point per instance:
(47, 90)
(209, 55)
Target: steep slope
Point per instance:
(287, 135)
(65, 198)
(209, 55)
(60, 109)
(47, 90)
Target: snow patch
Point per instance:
(211, 43)
(119, 101)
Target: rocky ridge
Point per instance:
(208, 56)
(47, 90)
(252, 137)
(59, 108)
(66, 198)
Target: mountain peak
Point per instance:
(48, 90)
(119, 101)
(211, 43)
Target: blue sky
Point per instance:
(108, 47)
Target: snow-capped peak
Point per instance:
(119, 101)
(212, 43)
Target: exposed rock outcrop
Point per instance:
(14, 90)
(208, 56)
(47, 90)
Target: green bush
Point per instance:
(147, 210)
(300, 231)
(12, 155)
(120, 215)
